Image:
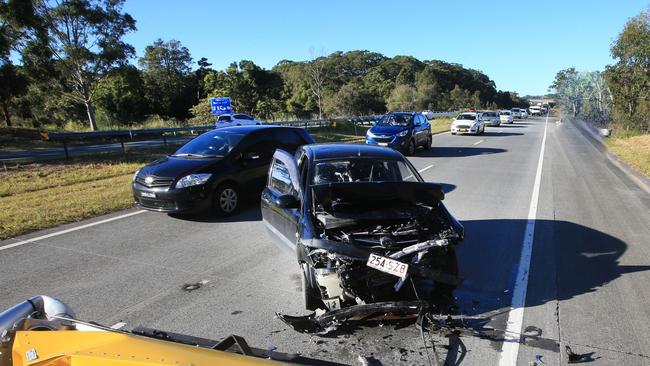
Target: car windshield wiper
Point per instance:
(189, 155)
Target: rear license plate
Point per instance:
(148, 194)
(390, 266)
(382, 143)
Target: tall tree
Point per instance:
(166, 67)
(85, 39)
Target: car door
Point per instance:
(419, 129)
(280, 202)
(256, 153)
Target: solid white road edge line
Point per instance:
(514, 324)
(425, 168)
(76, 228)
(478, 142)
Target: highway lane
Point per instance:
(590, 261)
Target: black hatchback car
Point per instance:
(215, 170)
(363, 224)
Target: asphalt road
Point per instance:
(587, 282)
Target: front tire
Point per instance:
(429, 143)
(410, 150)
(226, 200)
(311, 302)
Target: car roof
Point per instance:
(328, 151)
(250, 128)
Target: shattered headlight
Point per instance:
(193, 180)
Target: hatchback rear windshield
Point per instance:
(505, 113)
(400, 120)
(210, 145)
(363, 170)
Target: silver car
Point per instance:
(491, 118)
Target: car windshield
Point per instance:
(210, 145)
(401, 120)
(363, 170)
(470, 117)
(505, 113)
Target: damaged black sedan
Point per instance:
(364, 225)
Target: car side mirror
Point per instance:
(287, 201)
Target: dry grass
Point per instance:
(38, 196)
(635, 150)
(441, 124)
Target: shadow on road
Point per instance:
(250, 211)
(568, 260)
(449, 152)
(501, 134)
(509, 126)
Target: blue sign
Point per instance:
(220, 106)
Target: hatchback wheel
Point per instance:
(226, 200)
(429, 143)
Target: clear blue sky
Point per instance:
(518, 44)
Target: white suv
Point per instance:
(236, 119)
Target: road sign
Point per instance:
(220, 106)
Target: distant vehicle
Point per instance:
(468, 122)
(505, 117)
(403, 131)
(491, 118)
(235, 119)
(428, 114)
(523, 112)
(544, 108)
(214, 170)
(535, 110)
(516, 113)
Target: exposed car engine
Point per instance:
(416, 235)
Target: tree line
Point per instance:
(74, 66)
(619, 94)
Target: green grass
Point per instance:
(633, 149)
(38, 196)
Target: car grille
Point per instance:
(462, 126)
(157, 181)
(384, 138)
(157, 204)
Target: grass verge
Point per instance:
(39, 196)
(633, 149)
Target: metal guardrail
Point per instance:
(130, 136)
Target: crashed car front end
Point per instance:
(374, 243)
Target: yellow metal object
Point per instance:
(66, 348)
(45, 136)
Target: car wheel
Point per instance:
(311, 301)
(429, 143)
(226, 200)
(410, 150)
(453, 133)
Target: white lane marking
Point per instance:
(514, 324)
(478, 142)
(119, 325)
(57, 233)
(425, 168)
